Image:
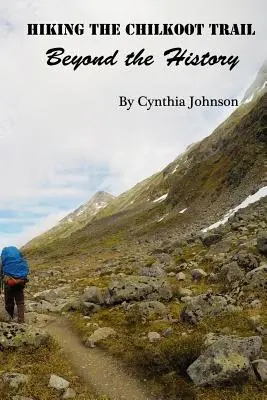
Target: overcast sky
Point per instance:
(62, 134)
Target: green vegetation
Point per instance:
(203, 173)
(164, 363)
(121, 239)
(39, 364)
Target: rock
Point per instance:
(89, 308)
(155, 270)
(181, 276)
(256, 279)
(58, 383)
(63, 305)
(223, 246)
(254, 320)
(228, 360)
(69, 394)
(260, 368)
(57, 306)
(262, 242)
(247, 261)
(42, 307)
(262, 330)
(181, 267)
(153, 337)
(186, 299)
(210, 238)
(16, 335)
(231, 273)
(137, 288)
(99, 335)
(184, 292)
(14, 379)
(255, 304)
(38, 320)
(178, 244)
(164, 258)
(51, 295)
(211, 337)
(167, 332)
(92, 294)
(213, 278)
(4, 316)
(197, 274)
(31, 318)
(206, 305)
(69, 304)
(147, 309)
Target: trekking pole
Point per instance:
(1, 286)
(28, 292)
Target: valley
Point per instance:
(167, 281)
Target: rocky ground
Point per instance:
(187, 316)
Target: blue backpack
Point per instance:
(13, 263)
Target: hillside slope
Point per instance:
(76, 219)
(171, 276)
(211, 177)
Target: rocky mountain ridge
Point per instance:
(77, 219)
(88, 210)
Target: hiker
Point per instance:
(14, 272)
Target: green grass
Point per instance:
(164, 363)
(213, 168)
(39, 364)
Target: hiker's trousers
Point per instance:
(15, 294)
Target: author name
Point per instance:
(191, 102)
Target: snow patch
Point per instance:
(97, 207)
(263, 86)
(161, 198)
(175, 169)
(183, 211)
(100, 205)
(262, 192)
(80, 212)
(162, 218)
(257, 91)
(249, 99)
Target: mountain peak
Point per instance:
(259, 86)
(88, 210)
(101, 194)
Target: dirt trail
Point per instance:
(96, 367)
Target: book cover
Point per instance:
(133, 213)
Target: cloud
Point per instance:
(62, 134)
(28, 232)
